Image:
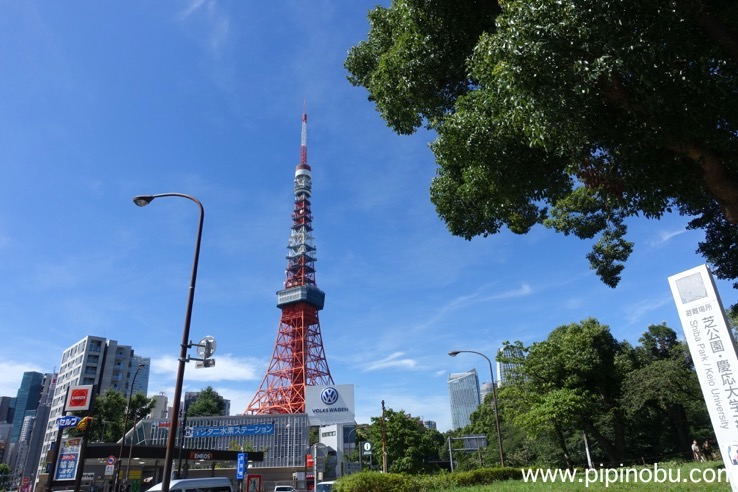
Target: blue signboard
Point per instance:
(67, 421)
(241, 466)
(233, 430)
(66, 464)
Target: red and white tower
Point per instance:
(299, 358)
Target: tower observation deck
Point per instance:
(298, 359)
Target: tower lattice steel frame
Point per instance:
(298, 359)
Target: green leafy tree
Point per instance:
(663, 394)
(108, 414)
(5, 476)
(141, 406)
(571, 382)
(629, 402)
(208, 403)
(482, 422)
(411, 447)
(576, 115)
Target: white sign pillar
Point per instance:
(714, 355)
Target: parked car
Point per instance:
(212, 484)
(284, 488)
(324, 486)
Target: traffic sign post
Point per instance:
(366, 450)
(241, 466)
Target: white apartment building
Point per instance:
(98, 361)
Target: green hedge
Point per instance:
(396, 482)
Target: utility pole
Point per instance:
(384, 443)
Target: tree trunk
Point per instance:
(609, 448)
(678, 417)
(562, 444)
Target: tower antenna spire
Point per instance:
(298, 359)
(304, 137)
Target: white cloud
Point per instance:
(665, 236)
(12, 372)
(227, 368)
(638, 311)
(392, 361)
(192, 7)
(239, 399)
(215, 22)
(478, 297)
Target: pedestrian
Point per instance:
(706, 450)
(696, 454)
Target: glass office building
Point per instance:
(464, 396)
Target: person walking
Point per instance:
(696, 453)
(706, 450)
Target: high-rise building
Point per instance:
(141, 384)
(464, 396)
(160, 410)
(97, 361)
(430, 424)
(506, 370)
(6, 404)
(23, 454)
(29, 395)
(484, 389)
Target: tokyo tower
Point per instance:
(298, 359)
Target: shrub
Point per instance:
(374, 482)
(395, 482)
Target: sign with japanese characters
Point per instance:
(232, 430)
(241, 466)
(67, 421)
(714, 355)
(66, 465)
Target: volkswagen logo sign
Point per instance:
(329, 396)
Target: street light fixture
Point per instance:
(454, 353)
(348, 436)
(125, 428)
(142, 201)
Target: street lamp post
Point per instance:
(348, 435)
(125, 428)
(454, 353)
(133, 434)
(142, 201)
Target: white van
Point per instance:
(211, 484)
(324, 487)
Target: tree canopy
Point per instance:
(630, 402)
(576, 115)
(207, 404)
(109, 415)
(411, 448)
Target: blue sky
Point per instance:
(104, 101)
